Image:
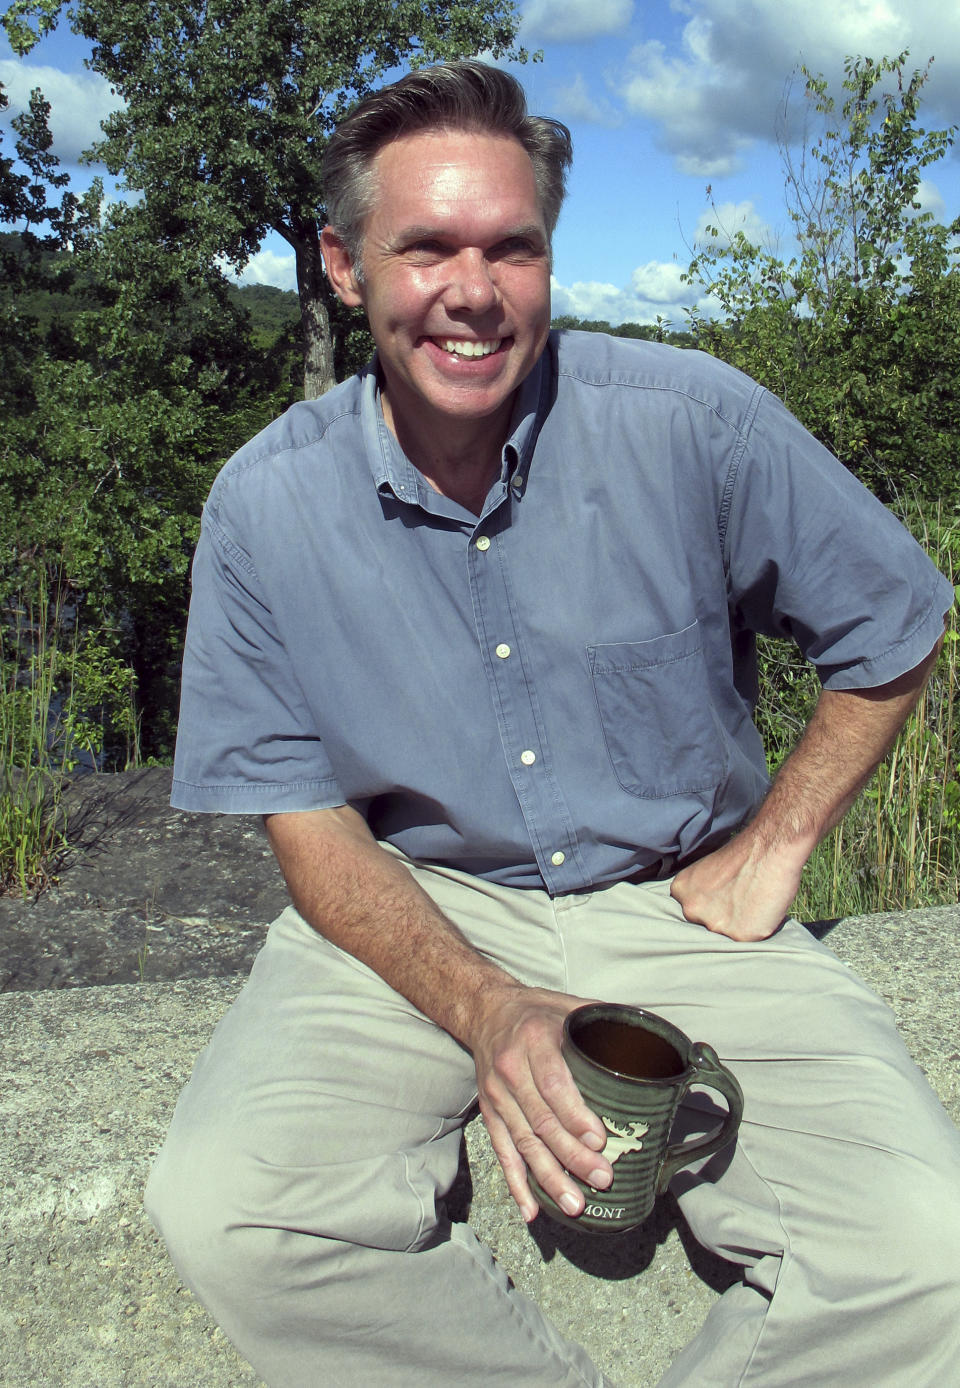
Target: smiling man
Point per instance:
(475, 634)
(455, 282)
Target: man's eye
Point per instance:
(425, 250)
(515, 248)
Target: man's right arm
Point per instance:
(366, 902)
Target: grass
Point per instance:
(899, 847)
(32, 819)
(61, 693)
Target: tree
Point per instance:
(859, 331)
(228, 105)
(116, 416)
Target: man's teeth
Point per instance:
(470, 349)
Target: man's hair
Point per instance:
(464, 96)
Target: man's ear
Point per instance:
(340, 270)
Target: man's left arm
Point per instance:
(745, 889)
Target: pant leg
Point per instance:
(841, 1198)
(843, 1281)
(300, 1191)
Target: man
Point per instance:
(475, 634)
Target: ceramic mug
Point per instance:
(633, 1068)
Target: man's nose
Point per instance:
(471, 285)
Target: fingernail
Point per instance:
(592, 1140)
(600, 1179)
(569, 1203)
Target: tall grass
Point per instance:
(32, 821)
(61, 693)
(899, 847)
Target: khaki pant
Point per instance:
(300, 1190)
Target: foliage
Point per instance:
(899, 847)
(228, 104)
(34, 195)
(132, 372)
(115, 422)
(55, 703)
(859, 333)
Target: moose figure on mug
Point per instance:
(622, 1139)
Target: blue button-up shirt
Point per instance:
(558, 692)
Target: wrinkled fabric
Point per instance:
(557, 693)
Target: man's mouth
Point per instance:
(468, 349)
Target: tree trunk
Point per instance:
(318, 372)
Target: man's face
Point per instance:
(456, 276)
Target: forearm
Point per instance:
(362, 899)
(848, 736)
(745, 888)
(366, 902)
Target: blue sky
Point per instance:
(664, 99)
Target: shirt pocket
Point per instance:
(661, 732)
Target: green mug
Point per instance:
(633, 1068)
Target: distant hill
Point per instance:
(648, 332)
(272, 311)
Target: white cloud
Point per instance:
(931, 199)
(660, 282)
(78, 103)
(656, 290)
(268, 267)
(574, 103)
(720, 86)
(571, 21)
(728, 218)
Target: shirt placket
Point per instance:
(517, 709)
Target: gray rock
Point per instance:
(145, 892)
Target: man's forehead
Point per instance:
(427, 178)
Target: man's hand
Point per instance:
(532, 1108)
(738, 890)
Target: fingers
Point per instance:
(511, 1163)
(729, 895)
(536, 1118)
(744, 919)
(520, 1151)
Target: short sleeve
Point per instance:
(245, 740)
(813, 556)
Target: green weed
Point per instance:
(60, 693)
(899, 846)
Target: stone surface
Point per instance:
(145, 893)
(88, 1079)
(89, 1076)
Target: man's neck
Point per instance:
(460, 459)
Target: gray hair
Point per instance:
(466, 95)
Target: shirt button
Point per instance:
(503, 650)
(528, 758)
(517, 482)
(557, 858)
(483, 543)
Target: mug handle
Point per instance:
(708, 1070)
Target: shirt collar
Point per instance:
(392, 470)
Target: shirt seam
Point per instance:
(736, 462)
(627, 383)
(258, 786)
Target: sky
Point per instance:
(666, 99)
